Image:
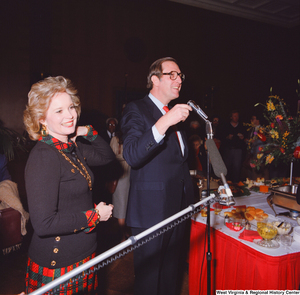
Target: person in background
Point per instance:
(216, 130)
(233, 146)
(255, 123)
(59, 186)
(120, 195)
(197, 155)
(194, 129)
(160, 181)
(110, 131)
(266, 172)
(4, 173)
(197, 161)
(256, 143)
(107, 176)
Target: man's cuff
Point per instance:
(158, 137)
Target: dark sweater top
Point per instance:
(57, 195)
(236, 142)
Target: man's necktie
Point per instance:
(166, 109)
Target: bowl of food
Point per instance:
(267, 231)
(283, 227)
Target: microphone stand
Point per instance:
(209, 133)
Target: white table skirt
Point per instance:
(257, 200)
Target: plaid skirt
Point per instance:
(38, 276)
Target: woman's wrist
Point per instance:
(98, 214)
(91, 133)
(88, 127)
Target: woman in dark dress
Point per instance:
(59, 186)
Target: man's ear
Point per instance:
(155, 80)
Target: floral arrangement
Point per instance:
(280, 138)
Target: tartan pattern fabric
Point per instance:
(70, 145)
(92, 219)
(38, 276)
(92, 133)
(62, 146)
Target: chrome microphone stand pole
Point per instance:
(209, 133)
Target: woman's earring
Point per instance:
(44, 130)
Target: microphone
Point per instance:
(197, 109)
(220, 171)
(215, 158)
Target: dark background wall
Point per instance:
(106, 48)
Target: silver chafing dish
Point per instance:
(285, 196)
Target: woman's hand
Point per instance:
(105, 211)
(80, 131)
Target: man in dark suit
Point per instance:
(110, 131)
(160, 183)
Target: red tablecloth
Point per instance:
(236, 266)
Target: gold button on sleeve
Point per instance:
(55, 250)
(53, 263)
(57, 239)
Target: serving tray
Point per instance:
(285, 197)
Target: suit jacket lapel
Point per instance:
(153, 109)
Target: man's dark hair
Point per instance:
(156, 69)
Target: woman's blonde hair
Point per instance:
(39, 98)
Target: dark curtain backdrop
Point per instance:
(106, 48)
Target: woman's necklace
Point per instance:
(86, 175)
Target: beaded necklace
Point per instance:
(86, 175)
(69, 147)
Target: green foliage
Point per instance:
(280, 136)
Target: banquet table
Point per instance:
(239, 264)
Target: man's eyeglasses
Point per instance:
(173, 75)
